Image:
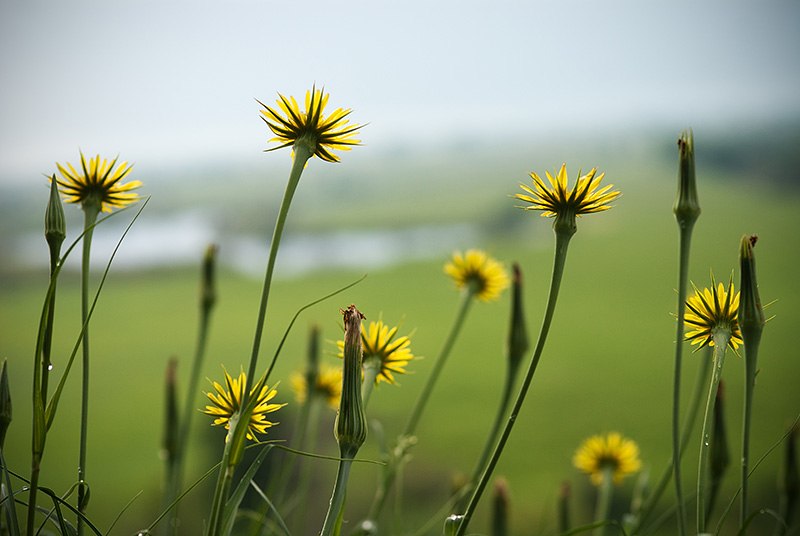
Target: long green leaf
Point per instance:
(297, 314)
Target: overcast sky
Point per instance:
(173, 81)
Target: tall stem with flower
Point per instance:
(243, 423)
(711, 317)
(565, 204)
(309, 133)
(98, 188)
(607, 459)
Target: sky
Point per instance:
(174, 82)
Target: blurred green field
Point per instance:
(607, 364)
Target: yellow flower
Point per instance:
(556, 199)
(378, 343)
(710, 310)
(328, 386)
(97, 183)
(479, 273)
(611, 451)
(321, 134)
(226, 401)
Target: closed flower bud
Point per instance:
(208, 294)
(170, 440)
(789, 478)
(687, 205)
(500, 503)
(720, 457)
(55, 228)
(518, 334)
(751, 313)
(351, 422)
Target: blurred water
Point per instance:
(180, 240)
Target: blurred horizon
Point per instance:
(174, 84)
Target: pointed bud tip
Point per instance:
(55, 227)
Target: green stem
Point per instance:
(301, 155)
(488, 448)
(307, 443)
(337, 499)
(686, 433)
(751, 358)
(721, 338)
(40, 387)
(683, 280)
(390, 473)
(372, 367)
(416, 413)
(90, 217)
(220, 496)
(604, 494)
(563, 237)
(175, 469)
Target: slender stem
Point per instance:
(389, 475)
(721, 338)
(220, 496)
(683, 279)
(372, 367)
(751, 358)
(307, 441)
(301, 155)
(90, 216)
(438, 365)
(40, 388)
(488, 448)
(175, 469)
(604, 494)
(337, 499)
(691, 417)
(560, 257)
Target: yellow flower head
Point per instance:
(97, 183)
(479, 273)
(378, 342)
(610, 451)
(710, 310)
(226, 402)
(556, 199)
(321, 134)
(328, 386)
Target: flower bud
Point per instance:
(719, 456)
(351, 422)
(312, 371)
(564, 495)
(687, 206)
(500, 503)
(208, 295)
(55, 227)
(789, 478)
(170, 440)
(751, 313)
(518, 335)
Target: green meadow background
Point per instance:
(607, 365)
